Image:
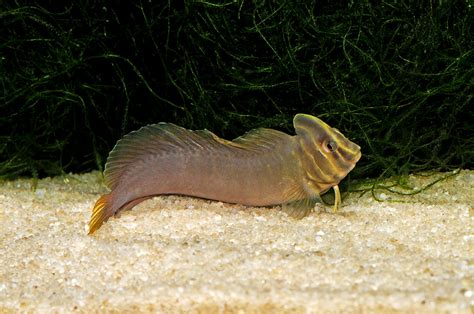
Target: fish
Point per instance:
(263, 167)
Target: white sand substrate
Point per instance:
(180, 254)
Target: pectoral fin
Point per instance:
(300, 208)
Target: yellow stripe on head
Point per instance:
(326, 155)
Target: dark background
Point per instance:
(396, 77)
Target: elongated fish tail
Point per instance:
(100, 213)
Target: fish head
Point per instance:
(327, 156)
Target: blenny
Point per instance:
(261, 168)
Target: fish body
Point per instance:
(263, 167)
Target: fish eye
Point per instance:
(330, 146)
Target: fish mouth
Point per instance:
(350, 164)
(357, 157)
(354, 160)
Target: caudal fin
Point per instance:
(100, 213)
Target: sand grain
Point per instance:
(172, 253)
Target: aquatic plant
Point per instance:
(396, 77)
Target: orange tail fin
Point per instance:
(100, 213)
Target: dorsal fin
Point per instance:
(150, 140)
(262, 139)
(164, 137)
